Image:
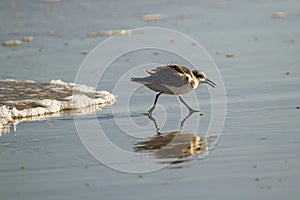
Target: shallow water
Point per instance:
(257, 156)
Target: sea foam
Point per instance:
(30, 100)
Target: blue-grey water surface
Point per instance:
(257, 156)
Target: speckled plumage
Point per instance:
(169, 79)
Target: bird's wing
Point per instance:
(169, 75)
(180, 69)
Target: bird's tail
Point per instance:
(138, 80)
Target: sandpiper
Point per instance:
(173, 79)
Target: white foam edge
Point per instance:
(49, 106)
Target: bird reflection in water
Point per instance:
(174, 147)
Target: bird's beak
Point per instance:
(209, 82)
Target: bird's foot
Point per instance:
(193, 111)
(149, 112)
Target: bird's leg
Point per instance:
(156, 98)
(182, 122)
(149, 113)
(155, 124)
(190, 109)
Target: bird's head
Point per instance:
(200, 75)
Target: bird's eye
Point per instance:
(200, 76)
